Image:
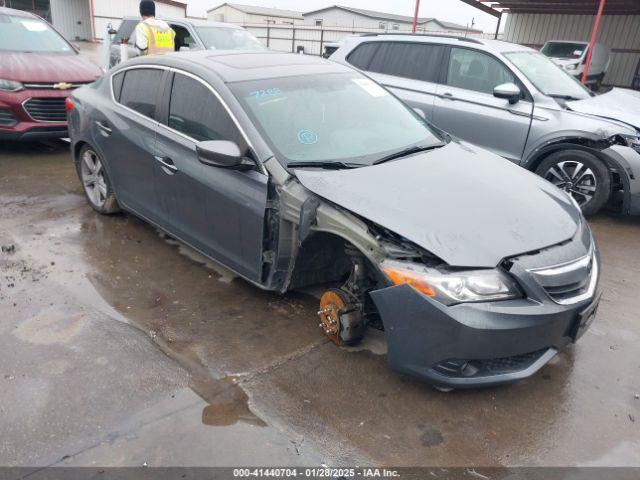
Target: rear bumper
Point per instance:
(472, 345)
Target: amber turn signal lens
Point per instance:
(400, 277)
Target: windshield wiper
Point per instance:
(408, 151)
(326, 165)
(563, 97)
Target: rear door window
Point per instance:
(477, 71)
(139, 90)
(418, 61)
(196, 112)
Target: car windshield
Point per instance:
(25, 34)
(336, 118)
(547, 76)
(221, 38)
(563, 49)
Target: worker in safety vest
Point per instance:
(153, 36)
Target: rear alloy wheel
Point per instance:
(581, 175)
(95, 182)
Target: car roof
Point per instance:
(488, 45)
(16, 13)
(240, 65)
(196, 22)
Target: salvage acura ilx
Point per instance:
(294, 171)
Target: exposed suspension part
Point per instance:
(341, 309)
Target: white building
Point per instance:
(247, 14)
(358, 18)
(88, 19)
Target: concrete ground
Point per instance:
(121, 347)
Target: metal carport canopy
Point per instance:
(575, 7)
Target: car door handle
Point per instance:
(104, 128)
(448, 96)
(167, 163)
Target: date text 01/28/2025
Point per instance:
(319, 472)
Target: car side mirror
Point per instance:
(112, 31)
(220, 153)
(508, 91)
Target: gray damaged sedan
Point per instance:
(294, 171)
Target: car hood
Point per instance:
(467, 206)
(47, 68)
(619, 104)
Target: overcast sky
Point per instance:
(451, 10)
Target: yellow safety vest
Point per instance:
(159, 42)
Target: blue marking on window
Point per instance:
(269, 92)
(307, 137)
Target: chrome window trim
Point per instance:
(166, 127)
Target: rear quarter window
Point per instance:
(117, 81)
(363, 54)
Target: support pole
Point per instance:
(415, 17)
(594, 37)
(498, 26)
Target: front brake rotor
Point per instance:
(332, 303)
(340, 317)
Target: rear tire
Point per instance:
(95, 182)
(581, 174)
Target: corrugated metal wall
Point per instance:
(72, 18)
(621, 33)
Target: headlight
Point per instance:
(452, 286)
(571, 66)
(10, 85)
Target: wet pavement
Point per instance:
(119, 346)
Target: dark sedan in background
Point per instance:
(38, 70)
(295, 171)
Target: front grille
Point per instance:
(460, 368)
(7, 118)
(569, 282)
(54, 86)
(46, 109)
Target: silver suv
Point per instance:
(514, 101)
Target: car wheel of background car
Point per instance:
(580, 174)
(95, 182)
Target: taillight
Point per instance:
(68, 104)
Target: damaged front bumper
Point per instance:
(480, 344)
(626, 161)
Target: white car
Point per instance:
(572, 57)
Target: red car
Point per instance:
(38, 71)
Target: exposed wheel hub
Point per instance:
(340, 318)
